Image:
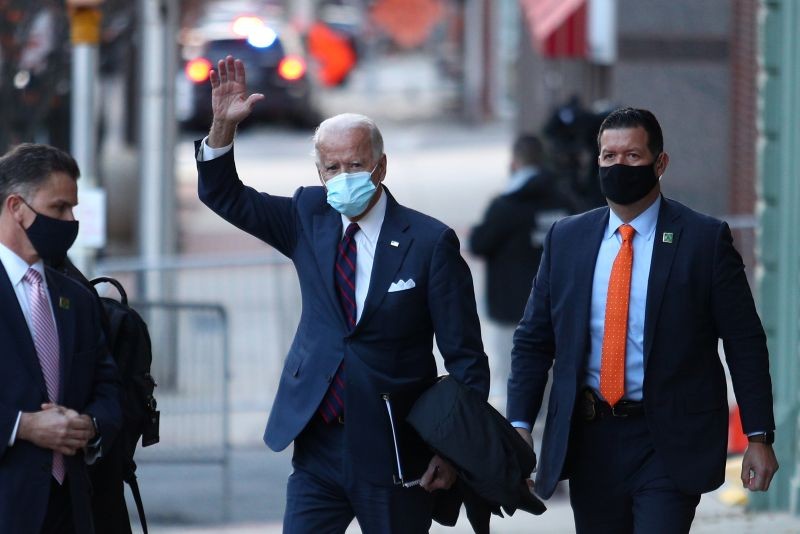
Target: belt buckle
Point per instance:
(617, 414)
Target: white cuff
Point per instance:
(13, 437)
(93, 451)
(207, 153)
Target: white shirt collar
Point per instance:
(16, 267)
(371, 224)
(644, 223)
(520, 177)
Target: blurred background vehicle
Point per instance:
(273, 54)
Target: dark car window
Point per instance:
(249, 54)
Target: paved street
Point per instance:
(187, 500)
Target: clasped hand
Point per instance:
(57, 428)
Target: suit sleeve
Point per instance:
(105, 400)
(534, 347)
(8, 419)
(267, 217)
(742, 334)
(451, 300)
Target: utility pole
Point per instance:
(157, 137)
(156, 179)
(85, 17)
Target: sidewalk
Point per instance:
(713, 517)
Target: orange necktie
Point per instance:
(615, 335)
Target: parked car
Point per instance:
(276, 66)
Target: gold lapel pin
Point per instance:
(666, 237)
(395, 244)
(63, 303)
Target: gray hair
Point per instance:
(349, 121)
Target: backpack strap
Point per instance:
(134, 484)
(123, 295)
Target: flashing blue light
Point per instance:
(262, 37)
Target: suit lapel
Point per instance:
(390, 250)
(588, 241)
(16, 326)
(65, 325)
(665, 245)
(327, 234)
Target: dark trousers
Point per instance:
(322, 498)
(618, 484)
(58, 519)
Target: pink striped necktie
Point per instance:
(45, 338)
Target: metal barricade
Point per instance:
(194, 406)
(261, 296)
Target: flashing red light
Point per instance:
(197, 69)
(292, 68)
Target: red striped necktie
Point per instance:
(332, 406)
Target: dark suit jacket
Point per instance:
(390, 349)
(510, 239)
(697, 293)
(492, 459)
(88, 385)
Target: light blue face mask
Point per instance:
(349, 193)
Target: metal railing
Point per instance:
(261, 298)
(192, 340)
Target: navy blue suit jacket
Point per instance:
(390, 349)
(89, 384)
(697, 293)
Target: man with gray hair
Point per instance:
(378, 281)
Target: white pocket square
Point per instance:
(401, 285)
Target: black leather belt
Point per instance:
(591, 407)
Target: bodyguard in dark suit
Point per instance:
(59, 399)
(378, 280)
(627, 307)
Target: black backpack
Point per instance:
(129, 343)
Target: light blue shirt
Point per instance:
(645, 226)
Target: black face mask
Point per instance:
(51, 237)
(625, 184)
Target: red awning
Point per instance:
(557, 27)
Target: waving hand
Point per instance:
(230, 102)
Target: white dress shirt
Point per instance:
(16, 268)
(366, 239)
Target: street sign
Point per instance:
(91, 213)
(408, 22)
